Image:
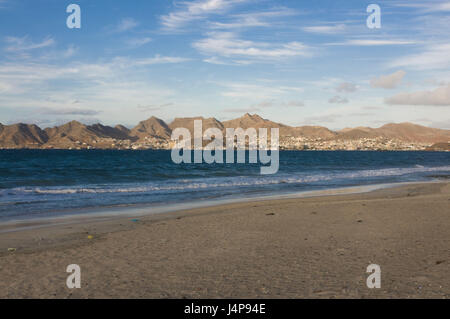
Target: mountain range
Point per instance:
(75, 134)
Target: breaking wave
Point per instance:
(230, 182)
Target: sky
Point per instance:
(291, 61)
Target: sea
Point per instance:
(37, 184)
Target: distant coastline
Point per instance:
(432, 148)
(155, 134)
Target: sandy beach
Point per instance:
(317, 247)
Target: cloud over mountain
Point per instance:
(436, 97)
(389, 81)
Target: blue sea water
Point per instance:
(48, 183)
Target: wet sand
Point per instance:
(316, 247)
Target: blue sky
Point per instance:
(296, 62)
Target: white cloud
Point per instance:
(244, 23)
(226, 44)
(320, 119)
(215, 60)
(24, 73)
(158, 60)
(195, 10)
(24, 44)
(138, 42)
(255, 19)
(67, 111)
(436, 97)
(429, 6)
(113, 85)
(326, 29)
(70, 51)
(294, 103)
(347, 87)
(389, 81)
(338, 100)
(272, 103)
(438, 7)
(126, 24)
(434, 57)
(243, 110)
(373, 42)
(124, 63)
(258, 92)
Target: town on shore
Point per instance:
(154, 133)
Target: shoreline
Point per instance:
(311, 247)
(141, 210)
(306, 247)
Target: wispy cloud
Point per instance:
(294, 103)
(215, 60)
(436, 97)
(158, 59)
(436, 56)
(257, 92)
(326, 29)
(67, 111)
(389, 81)
(338, 100)
(153, 107)
(189, 11)
(254, 19)
(438, 7)
(227, 44)
(374, 42)
(276, 103)
(24, 44)
(125, 63)
(37, 72)
(126, 24)
(315, 120)
(111, 85)
(347, 87)
(138, 42)
(429, 6)
(242, 110)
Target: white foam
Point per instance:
(184, 184)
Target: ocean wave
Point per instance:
(226, 182)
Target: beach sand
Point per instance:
(316, 247)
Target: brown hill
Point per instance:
(75, 133)
(357, 133)
(404, 131)
(188, 122)
(308, 131)
(21, 136)
(153, 127)
(254, 121)
(108, 131)
(123, 129)
(415, 133)
(69, 135)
